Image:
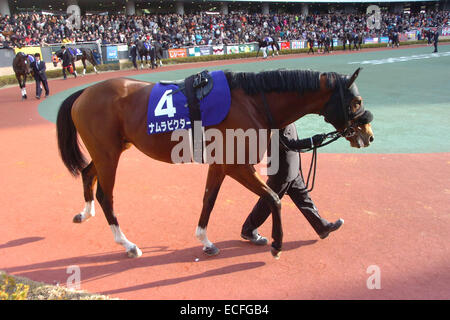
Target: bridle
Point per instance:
(351, 120)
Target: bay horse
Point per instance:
(259, 101)
(21, 67)
(86, 54)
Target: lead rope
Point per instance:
(313, 165)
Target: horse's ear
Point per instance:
(353, 77)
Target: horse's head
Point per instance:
(56, 57)
(345, 111)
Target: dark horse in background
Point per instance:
(85, 54)
(264, 44)
(259, 101)
(393, 39)
(347, 38)
(21, 67)
(153, 52)
(357, 41)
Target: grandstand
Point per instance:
(139, 7)
(195, 27)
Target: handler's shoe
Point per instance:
(331, 227)
(255, 238)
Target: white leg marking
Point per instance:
(120, 238)
(95, 69)
(88, 211)
(84, 72)
(200, 233)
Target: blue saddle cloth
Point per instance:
(31, 58)
(168, 112)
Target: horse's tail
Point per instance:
(68, 145)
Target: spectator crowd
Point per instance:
(174, 30)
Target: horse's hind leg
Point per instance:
(106, 172)
(213, 183)
(105, 158)
(84, 66)
(94, 64)
(89, 175)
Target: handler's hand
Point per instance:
(318, 139)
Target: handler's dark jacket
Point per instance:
(289, 164)
(39, 70)
(133, 52)
(67, 58)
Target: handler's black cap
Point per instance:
(63, 47)
(37, 54)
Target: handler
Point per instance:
(39, 68)
(68, 61)
(289, 181)
(435, 41)
(133, 55)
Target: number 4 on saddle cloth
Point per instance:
(173, 105)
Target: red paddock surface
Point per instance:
(395, 206)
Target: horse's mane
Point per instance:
(281, 80)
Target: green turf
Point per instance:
(408, 92)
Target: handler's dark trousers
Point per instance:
(74, 71)
(296, 190)
(38, 87)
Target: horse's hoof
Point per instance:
(78, 218)
(211, 251)
(275, 253)
(134, 252)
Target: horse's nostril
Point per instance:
(371, 139)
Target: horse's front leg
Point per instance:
(249, 178)
(22, 82)
(213, 183)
